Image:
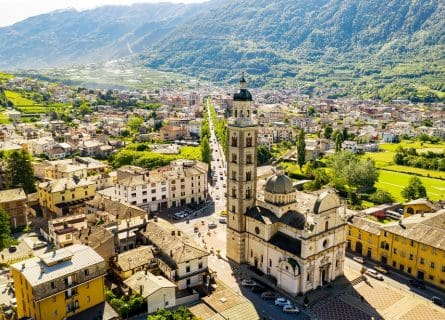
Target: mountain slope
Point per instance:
(272, 39)
(70, 36)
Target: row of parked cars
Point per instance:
(182, 214)
(266, 294)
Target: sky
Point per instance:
(12, 11)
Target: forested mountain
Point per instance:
(372, 48)
(275, 38)
(70, 37)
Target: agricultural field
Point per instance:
(394, 182)
(28, 106)
(4, 77)
(4, 118)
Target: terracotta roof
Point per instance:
(65, 184)
(148, 282)
(119, 210)
(366, 225)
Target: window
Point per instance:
(248, 176)
(249, 159)
(234, 141)
(422, 261)
(409, 270)
(326, 226)
(251, 253)
(153, 198)
(385, 234)
(233, 175)
(248, 193)
(257, 230)
(431, 277)
(233, 158)
(234, 193)
(443, 268)
(308, 278)
(144, 193)
(248, 141)
(133, 194)
(270, 262)
(53, 285)
(163, 189)
(360, 236)
(187, 269)
(63, 198)
(153, 190)
(432, 265)
(233, 210)
(87, 272)
(412, 243)
(200, 265)
(394, 251)
(188, 282)
(86, 193)
(411, 256)
(349, 232)
(325, 243)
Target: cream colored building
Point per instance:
(157, 291)
(296, 238)
(179, 257)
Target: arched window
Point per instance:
(248, 193)
(233, 192)
(248, 141)
(248, 176)
(326, 226)
(410, 210)
(234, 141)
(233, 157)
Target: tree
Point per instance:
(134, 123)
(414, 190)
(5, 230)
(338, 138)
(301, 148)
(381, 197)
(182, 313)
(263, 155)
(345, 133)
(20, 170)
(84, 109)
(327, 131)
(351, 174)
(205, 150)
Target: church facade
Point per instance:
(296, 238)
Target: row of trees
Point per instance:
(182, 313)
(426, 160)
(220, 126)
(205, 138)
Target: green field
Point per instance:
(4, 118)
(394, 182)
(25, 105)
(4, 77)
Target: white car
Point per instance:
(290, 309)
(282, 302)
(248, 283)
(358, 259)
(373, 273)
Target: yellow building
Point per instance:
(129, 262)
(59, 284)
(363, 237)
(57, 196)
(419, 206)
(414, 245)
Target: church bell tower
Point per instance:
(241, 171)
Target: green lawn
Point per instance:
(394, 182)
(4, 118)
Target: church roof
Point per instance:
(290, 218)
(286, 243)
(279, 184)
(243, 94)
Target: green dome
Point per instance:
(242, 95)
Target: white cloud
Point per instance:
(12, 11)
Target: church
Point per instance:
(296, 238)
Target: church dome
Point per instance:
(243, 94)
(279, 184)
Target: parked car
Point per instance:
(416, 284)
(212, 225)
(248, 283)
(223, 220)
(373, 273)
(381, 269)
(282, 302)
(269, 295)
(258, 289)
(358, 259)
(290, 309)
(437, 300)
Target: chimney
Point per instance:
(146, 271)
(171, 253)
(23, 266)
(141, 289)
(179, 232)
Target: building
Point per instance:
(179, 257)
(157, 291)
(130, 262)
(172, 133)
(419, 206)
(61, 196)
(179, 183)
(103, 209)
(296, 238)
(63, 231)
(13, 201)
(414, 245)
(59, 284)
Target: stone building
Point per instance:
(13, 201)
(296, 238)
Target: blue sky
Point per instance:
(12, 11)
